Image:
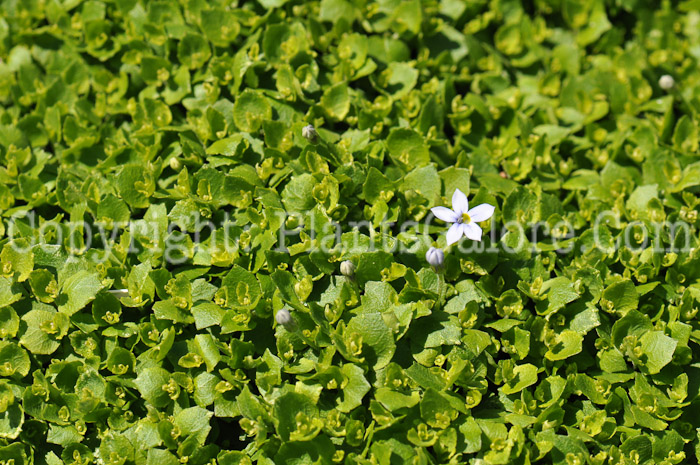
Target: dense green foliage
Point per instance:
(157, 147)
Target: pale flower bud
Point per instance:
(119, 293)
(347, 268)
(666, 82)
(435, 257)
(309, 133)
(283, 317)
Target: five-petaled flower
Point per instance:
(463, 220)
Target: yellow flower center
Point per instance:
(466, 219)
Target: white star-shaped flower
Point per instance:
(463, 220)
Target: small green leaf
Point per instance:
(230, 146)
(207, 314)
(193, 51)
(297, 195)
(77, 290)
(120, 361)
(395, 400)
(336, 101)
(472, 435)
(560, 291)
(194, 421)
(454, 178)
(135, 184)
(523, 376)
(220, 26)
(373, 338)
(398, 79)
(566, 344)
(151, 383)
(250, 109)
(292, 411)
(377, 186)
(206, 346)
(44, 331)
(620, 297)
(632, 324)
(44, 285)
(161, 457)
(240, 288)
(9, 322)
(407, 148)
(13, 360)
(334, 10)
(436, 410)
(371, 265)
(424, 182)
(11, 421)
(657, 349)
(9, 292)
(355, 389)
(639, 200)
(17, 258)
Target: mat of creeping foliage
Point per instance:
(156, 150)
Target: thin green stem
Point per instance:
(441, 289)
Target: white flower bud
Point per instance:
(347, 268)
(435, 257)
(283, 317)
(666, 82)
(309, 133)
(119, 293)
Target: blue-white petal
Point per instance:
(445, 214)
(460, 204)
(472, 231)
(481, 212)
(454, 234)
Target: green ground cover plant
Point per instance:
(219, 243)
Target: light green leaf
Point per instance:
(524, 376)
(566, 344)
(241, 289)
(15, 360)
(150, 383)
(620, 297)
(424, 182)
(395, 400)
(657, 349)
(9, 293)
(336, 101)
(45, 329)
(161, 457)
(398, 79)
(639, 199)
(78, 289)
(194, 421)
(17, 258)
(231, 146)
(297, 195)
(560, 291)
(377, 342)
(193, 51)
(291, 411)
(407, 148)
(355, 389)
(454, 178)
(11, 421)
(250, 109)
